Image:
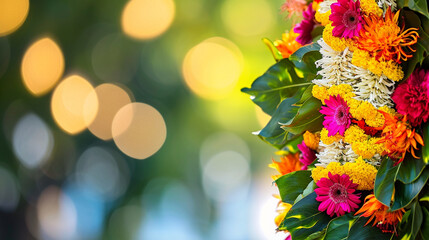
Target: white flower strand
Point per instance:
(335, 152)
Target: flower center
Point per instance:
(338, 193)
(341, 115)
(350, 19)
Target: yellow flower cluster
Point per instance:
(311, 140)
(354, 134)
(370, 6)
(323, 18)
(392, 70)
(336, 43)
(368, 148)
(359, 172)
(358, 109)
(329, 140)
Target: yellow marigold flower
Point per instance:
(320, 93)
(329, 140)
(311, 140)
(365, 111)
(370, 6)
(354, 105)
(376, 122)
(323, 18)
(288, 163)
(368, 148)
(288, 45)
(336, 43)
(354, 134)
(391, 69)
(344, 90)
(360, 172)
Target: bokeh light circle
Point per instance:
(146, 19)
(42, 66)
(111, 98)
(139, 130)
(102, 173)
(12, 15)
(9, 191)
(56, 213)
(254, 17)
(72, 104)
(212, 68)
(32, 141)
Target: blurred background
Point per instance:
(124, 119)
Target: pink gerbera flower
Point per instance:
(336, 195)
(346, 18)
(306, 26)
(307, 155)
(337, 118)
(411, 97)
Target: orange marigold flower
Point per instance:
(288, 45)
(288, 163)
(383, 219)
(311, 140)
(385, 40)
(398, 137)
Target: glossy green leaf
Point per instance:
(425, 224)
(293, 184)
(305, 58)
(308, 118)
(304, 218)
(306, 95)
(278, 83)
(338, 228)
(316, 236)
(411, 222)
(405, 193)
(276, 53)
(384, 181)
(410, 169)
(420, 6)
(307, 191)
(359, 231)
(272, 132)
(425, 149)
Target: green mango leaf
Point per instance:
(425, 224)
(420, 6)
(293, 184)
(305, 58)
(304, 218)
(411, 222)
(410, 169)
(272, 132)
(308, 118)
(405, 193)
(425, 149)
(307, 191)
(278, 83)
(338, 228)
(384, 181)
(276, 53)
(317, 235)
(306, 95)
(360, 231)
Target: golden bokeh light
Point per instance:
(42, 66)
(12, 15)
(262, 117)
(212, 68)
(146, 19)
(73, 105)
(111, 98)
(254, 17)
(139, 130)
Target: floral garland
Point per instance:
(348, 98)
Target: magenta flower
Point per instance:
(307, 155)
(411, 97)
(346, 18)
(336, 195)
(337, 118)
(306, 26)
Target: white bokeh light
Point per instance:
(32, 141)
